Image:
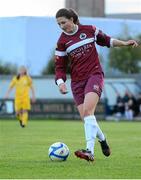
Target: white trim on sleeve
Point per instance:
(59, 81)
(60, 53)
(96, 33)
(111, 42)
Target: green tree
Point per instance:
(50, 67)
(7, 68)
(126, 59)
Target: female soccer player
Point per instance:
(22, 83)
(77, 44)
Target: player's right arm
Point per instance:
(61, 61)
(12, 84)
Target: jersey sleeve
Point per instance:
(101, 38)
(13, 82)
(61, 61)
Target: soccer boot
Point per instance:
(105, 148)
(18, 117)
(21, 124)
(84, 154)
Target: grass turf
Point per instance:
(24, 152)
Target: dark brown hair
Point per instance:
(18, 75)
(68, 13)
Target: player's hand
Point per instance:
(63, 88)
(132, 43)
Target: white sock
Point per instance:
(100, 134)
(90, 132)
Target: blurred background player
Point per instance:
(77, 44)
(22, 84)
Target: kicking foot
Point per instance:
(84, 154)
(105, 148)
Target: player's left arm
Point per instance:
(33, 98)
(103, 39)
(33, 94)
(119, 43)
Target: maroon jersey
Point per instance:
(79, 48)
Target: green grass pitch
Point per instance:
(24, 152)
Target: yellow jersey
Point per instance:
(22, 86)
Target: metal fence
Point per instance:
(44, 108)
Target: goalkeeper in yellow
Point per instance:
(22, 84)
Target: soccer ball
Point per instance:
(58, 152)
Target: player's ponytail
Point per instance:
(68, 13)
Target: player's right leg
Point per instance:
(25, 108)
(88, 153)
(84, 154)
(24, 117)
(18, 109)
(19, 117)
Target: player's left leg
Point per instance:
(93, 90)
(19, 116)
(24, 117)
(25, 108)
(91, 100)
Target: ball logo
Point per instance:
(83, 36)
(61, 152)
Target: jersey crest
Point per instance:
(82, 36)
